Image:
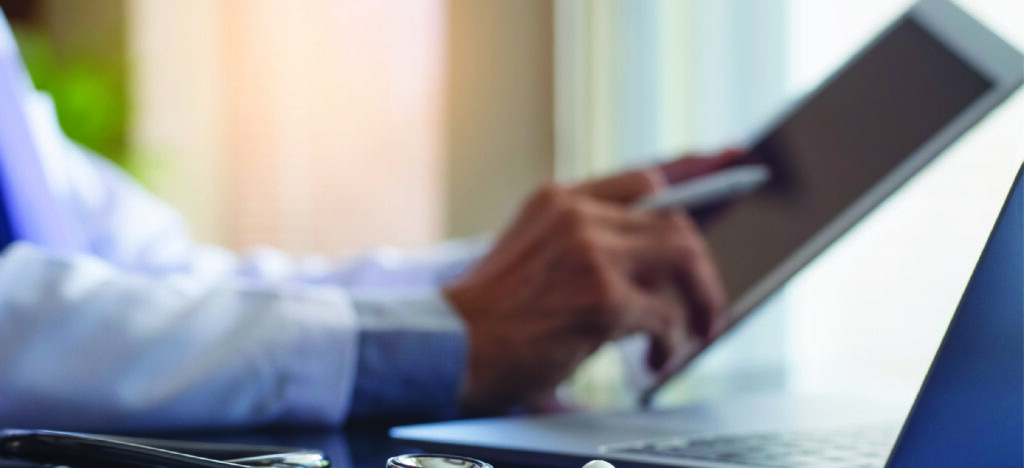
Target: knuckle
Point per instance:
(608, 311)
(647, 181)
(678, 223)
(572, 220)
(717, 302)
(604, 289)
(669, 325)
(685, 250)
(550, 194)
(572, 214)
(586, 248)
(685, 246)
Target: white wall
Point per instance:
(500, 132)
(335, 126)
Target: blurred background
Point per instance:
(333, 126)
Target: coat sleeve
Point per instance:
(86, 345)
(146, 329)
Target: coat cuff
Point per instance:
(411, 359)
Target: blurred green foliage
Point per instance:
(90, 93)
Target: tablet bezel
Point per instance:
(972, 43)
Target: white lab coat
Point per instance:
(145, 329)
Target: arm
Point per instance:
(259, 325)
(86, 345)
(574, 270)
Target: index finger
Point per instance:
(680, 247)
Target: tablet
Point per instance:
(839, 151)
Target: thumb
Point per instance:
(688, 167)
(624, 187)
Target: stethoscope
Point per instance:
(89, 450)
(428, 460)
(99, 451)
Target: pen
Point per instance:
(716, 187)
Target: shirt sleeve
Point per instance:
(412, 356)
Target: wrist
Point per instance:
(475, 394)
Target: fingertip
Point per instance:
(657, 178)
(732, 154)
(718, 328)
(689, 167)
(705, 324)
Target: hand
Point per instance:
(577, 267)
(684, 168)
(689, 166)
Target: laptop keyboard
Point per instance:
(856, 447)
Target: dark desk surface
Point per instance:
(348, 448)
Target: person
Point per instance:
(112, 318)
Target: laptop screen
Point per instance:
(970, 411)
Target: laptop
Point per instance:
(834, 155)
(969, 410)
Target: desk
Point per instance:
(348, 448)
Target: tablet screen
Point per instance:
(839, 143)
